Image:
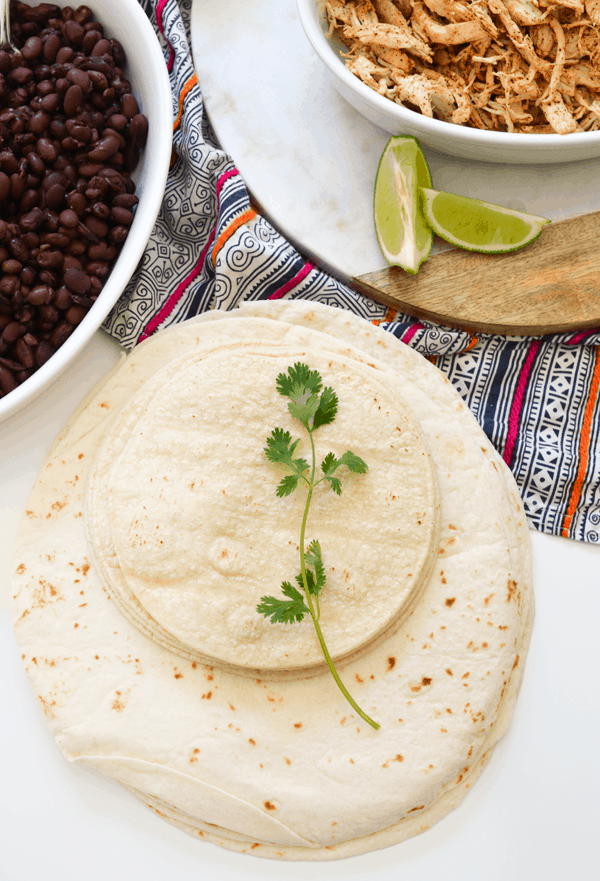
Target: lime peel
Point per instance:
(404, 236)
(478, 226)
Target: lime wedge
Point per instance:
(478, 226)
(403, 235)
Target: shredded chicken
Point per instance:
(504, 65)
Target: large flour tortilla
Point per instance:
(274, 767)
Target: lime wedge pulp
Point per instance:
(476, 225)
(403, 235)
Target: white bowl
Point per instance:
(457, 140)
(125, 21)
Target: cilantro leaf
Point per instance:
(284, 611)
(331, 463)
(287, 486)
(280, 449)
(354, 463)
(299, 380)
(327, 409)
(314, 559)
(336, 485)
(304, 411)
(329, 466)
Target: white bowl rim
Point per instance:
(438, 127)
(132, 249)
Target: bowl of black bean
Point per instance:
(85, 143)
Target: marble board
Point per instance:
(309, 161)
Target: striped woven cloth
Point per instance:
(536, 398)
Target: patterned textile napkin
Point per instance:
(536, 398)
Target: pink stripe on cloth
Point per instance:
(293, 282)
(172, 301)
(581, 336)
(166, 310)
(159, 11)
(515, 410)
(407, 337)
(225, 177)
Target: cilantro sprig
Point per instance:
(313, 406)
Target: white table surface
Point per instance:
(534, 812)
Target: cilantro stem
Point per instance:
(315, 615)
(314, 406)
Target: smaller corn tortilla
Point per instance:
(186, 528)
(119, 702)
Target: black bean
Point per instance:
(39, 122)
(43, 352)
(50, 103)
(20, 75)
(75, 314)
(60, 333)
(12, 267)
(100, 210)
(83, 15)
(129, 106)
(80, 78)
(18, 185)
(77, 281)
(101, 48)
(8, 383)
(32, 48)
(99, 268)
(118, 234)
(46, 150)
(122, 216)
(24, 354)
(12, 332)
(69, 218)
(63, 298)
(48, 314)
(125, 200)
(36, 163)
(19, 250)
(40, 295)
(97, 226)
(54, 196)
(72, 100)
(10, 363)
(4, 186)
(52, 44)
(73, 32)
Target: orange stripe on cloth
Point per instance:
(584, 448)
(247, 215)
(187, 88)
(390, 314)
(471, 345)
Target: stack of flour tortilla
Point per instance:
(154, 530)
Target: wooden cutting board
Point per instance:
(550, 286)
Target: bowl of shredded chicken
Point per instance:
(497, 80)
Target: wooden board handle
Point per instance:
(550, 286)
